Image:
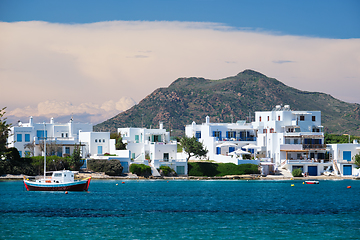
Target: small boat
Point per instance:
(312, 182)
(59, 181)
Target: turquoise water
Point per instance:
(184, 209)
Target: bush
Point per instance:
(140, 169)
(166, 171)
(109, 167)
(220, 169)
(297, 172)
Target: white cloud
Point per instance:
(51, 65)
(93, 112)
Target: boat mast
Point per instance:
(44, 151)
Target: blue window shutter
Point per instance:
(347, 155)
(19, 137)
(27, 137)
(20, 153)
(213, 134)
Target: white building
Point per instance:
(343, 158)
(65, 136)
(223, 139)
(293, 139)
(153, 147)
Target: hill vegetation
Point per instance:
(230, 99)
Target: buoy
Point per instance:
(303, 182)
(122, 182)
(348, 186)
(66, 192)
(291, 179)
(292, 185)
(167, 181)
(117, 184)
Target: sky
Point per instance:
(94, 59)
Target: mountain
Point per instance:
(233, 98)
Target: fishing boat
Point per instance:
(312, 182)
(59, 180)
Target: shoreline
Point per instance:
(102, 176)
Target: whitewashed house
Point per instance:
(154, 148)
(293, 139)
(65, 136)
(343, 158)
(224, 140)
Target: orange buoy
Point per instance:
(348, 186)
(66, 192)
(122, 182)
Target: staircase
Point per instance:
(337, 171)
(154, 171)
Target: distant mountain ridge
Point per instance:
(232, 98)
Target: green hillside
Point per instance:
(233, 98)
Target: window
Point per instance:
(198, 134)
(103, 140)
(166, 156)
(302, 118)
(231, 134)
(67, 150)
(296, 141)
(62, 135)
(137, 138)
(40, 134)
(313, 118)
(27, 137)
(347, 155)
(260, 119)
(279, 118)
(95, 140)
(217, 134)
(264, 130)
(268, 118)
(19, 137)
(271, 130)
(66, 134)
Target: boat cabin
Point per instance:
(62, 176)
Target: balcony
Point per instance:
(243, 139)
(302, 147)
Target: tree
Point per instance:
(357, 159)
(193, 147)
(4, 131)
(75, 160)
(31, 147)
(119, 145)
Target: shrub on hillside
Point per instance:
(140, 169)
(297, 172)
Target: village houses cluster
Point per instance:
(276, 139)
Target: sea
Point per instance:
(184, 209)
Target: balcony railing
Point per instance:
(314, 146)
(237, 139)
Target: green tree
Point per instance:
(4, 132)
(193, 147)
(119, 145)
(357, 159)
(75, 160)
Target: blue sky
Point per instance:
(325, 18)
(94, 59)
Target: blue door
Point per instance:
(218, 150)
(99, 149)
(231, 149)
(347, 170)
(312, 170)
